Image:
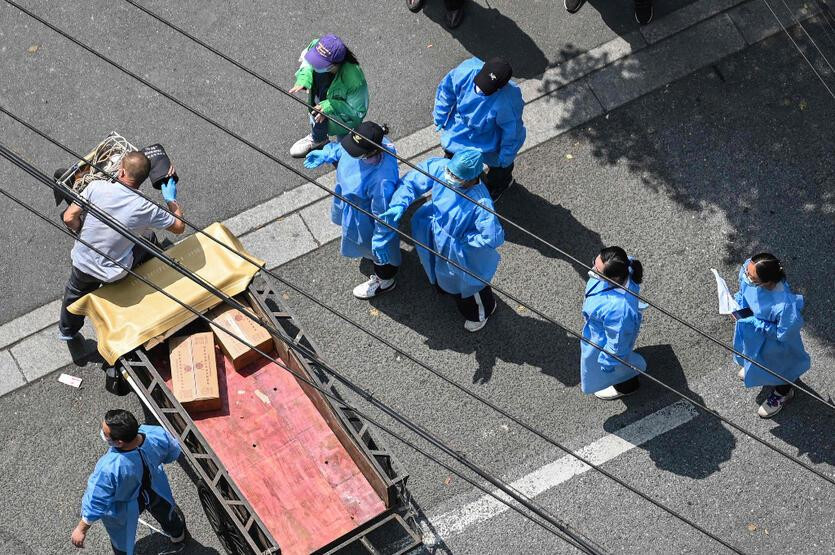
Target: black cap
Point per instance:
(356, 146)
(493, 76)
(160, 164)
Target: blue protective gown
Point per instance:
(613, 321)
(772, 335)
(113, 487)
(369, 186)
(453, 226)
(493, 124)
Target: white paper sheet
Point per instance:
(727, 304)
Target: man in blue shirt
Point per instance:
(478, 106)
(89, 269)
(129, 479)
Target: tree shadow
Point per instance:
(748, 139)
(808, 426)
(708, 443)
(509, 336)
(545, 219)
(506, 38)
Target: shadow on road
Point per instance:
(708, 443)
(807, 425)
(487, 33)
(510, 336)
(748, 140)
(548, 220)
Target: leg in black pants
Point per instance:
(385, 271)
(629, 386)
(170, 519)
(498, 180)
(78, 285)
(479, 307)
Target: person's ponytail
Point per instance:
(637, 270)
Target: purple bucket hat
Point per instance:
(328, 50)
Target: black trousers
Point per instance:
(628, 386)
(385, 271)
(783, 389)
(454, 4)
(170, 518)
(81, 283)
(476, 308)
(497, 179)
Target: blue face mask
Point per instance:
(323, 70)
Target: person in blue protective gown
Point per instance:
(768, 331)
(477, 105)
(128, 480)
(612, 321)
(456, 227)
(367, 176)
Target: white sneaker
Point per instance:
(609, 394)
(304, 145)
(741, 374)
(774, 403)
(373, 287)
(471, 326)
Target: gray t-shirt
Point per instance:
(132, 211)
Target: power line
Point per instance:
(800, 50)
(388, 344)
(803, 28)
(455, 264)
(307, 354)
(571, 332)
(462, 194)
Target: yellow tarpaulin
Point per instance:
(128, 313)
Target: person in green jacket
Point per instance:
(336, 86)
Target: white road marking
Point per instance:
(561, 470)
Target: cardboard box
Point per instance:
(194, 372)
(242, 326)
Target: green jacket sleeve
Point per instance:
(304, 75)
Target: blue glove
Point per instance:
(169, 190)
(314, 159)
(392, 215)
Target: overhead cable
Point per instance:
(391, 345)
(621, 360)
(680, 320)
(307, 354)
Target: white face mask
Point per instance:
(105, 439)
(479, 91)
(323, 70)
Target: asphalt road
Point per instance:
(730, 160)
(79, 99)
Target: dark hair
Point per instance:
(769, 269)
(616, 265)
(349, 57)
(123, 425)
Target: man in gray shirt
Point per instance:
(90, 269)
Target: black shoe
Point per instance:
(573, 6)
(415, 5)
(643, 11)
(454, 18)
(496, 195)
